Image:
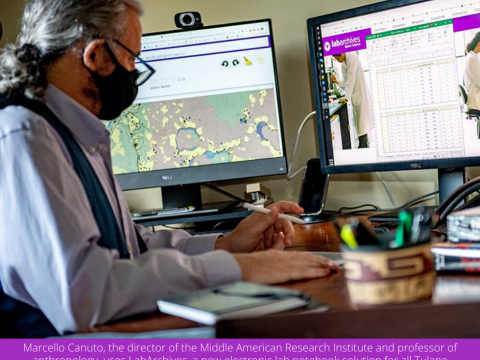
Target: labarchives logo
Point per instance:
(327, 46)
(348, 42)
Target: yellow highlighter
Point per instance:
(348, 237)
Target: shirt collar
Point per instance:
(85, 126)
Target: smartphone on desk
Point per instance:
(313, 193)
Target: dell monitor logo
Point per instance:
(167, 177)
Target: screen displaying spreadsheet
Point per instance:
(397, 85)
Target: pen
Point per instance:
(147, 213)
(363, 235)
(262, 210)
(402, 236)
(421, 226)
(348, 237)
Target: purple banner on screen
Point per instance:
(343, 43)
(209, 349)
(465, 23)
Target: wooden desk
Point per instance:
(453, 311)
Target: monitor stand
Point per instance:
(448, 181)
(174, 197)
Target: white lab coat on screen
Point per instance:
(472, 80)
(357, 92)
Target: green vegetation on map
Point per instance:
(195, 131)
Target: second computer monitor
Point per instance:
(397, 87)
(393, 85)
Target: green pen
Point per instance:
(402, 236)
(348, 237)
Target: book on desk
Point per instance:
(457, 258)
(234, 301)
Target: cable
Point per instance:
(224, 222)
(339, 211)
(387, 189)
(289, 175)
(298, 172)
(406, 205)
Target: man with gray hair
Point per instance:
(70, 255)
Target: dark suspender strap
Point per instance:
(18, 319)
(111, 236)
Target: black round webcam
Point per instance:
(188, 20)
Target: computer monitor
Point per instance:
(211, 112)
(402, 66)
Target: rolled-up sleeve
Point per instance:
(49, 257)
(178, 239)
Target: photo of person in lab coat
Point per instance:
(357, 92)
(471, 77)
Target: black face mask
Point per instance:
(117, 90)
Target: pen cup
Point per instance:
(393, 276)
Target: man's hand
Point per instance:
(343, 101)
(276, 267)
(262, 231)
(333, 79)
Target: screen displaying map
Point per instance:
(213, 99)
(204, 130)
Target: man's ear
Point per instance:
(94, 54)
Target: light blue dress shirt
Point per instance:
(49, 257)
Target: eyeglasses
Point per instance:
(144, 70)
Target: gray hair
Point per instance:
(49, 29)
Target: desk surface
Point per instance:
(453, 311)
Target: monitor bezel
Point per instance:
(369, 167)
(217, 172)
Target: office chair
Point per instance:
(472, 114)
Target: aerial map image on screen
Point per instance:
(196, 131)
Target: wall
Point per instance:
(10, 13)
(289, 21)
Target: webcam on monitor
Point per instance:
(188, 20)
